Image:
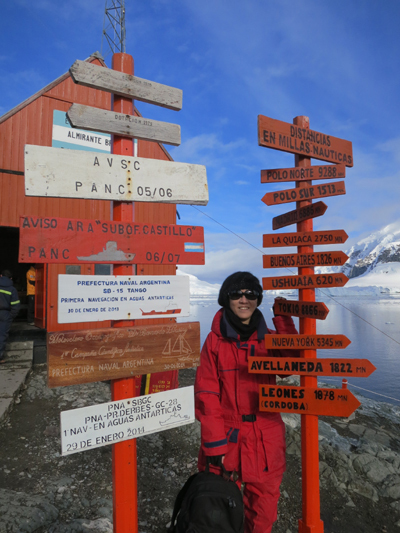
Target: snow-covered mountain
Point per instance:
(200, 288)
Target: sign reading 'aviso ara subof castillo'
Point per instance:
(74, 241)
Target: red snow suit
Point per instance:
(226, 401)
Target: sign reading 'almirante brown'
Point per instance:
(86, 356)
(287, 137)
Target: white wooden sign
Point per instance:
(94, 176)
(93, 118)
(96, 298)
(84, 73)
(108, 423)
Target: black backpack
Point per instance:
(208, 503)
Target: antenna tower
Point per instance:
(114, 27)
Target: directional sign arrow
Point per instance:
(95, 176)
(72, 241)
(307, 401)
(356, 368)
(92, 118)
(306, 342)
(298, 215)
(316, 310)
(304, 193)
(287, 137)
(306, 238)
(305, 282)
(89, 75)
(321, 172)
(305, 260)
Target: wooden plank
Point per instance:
(305, 260)
(317, 310)
(287, 137)
(304, 193)
(299, 215)
(320, 172)
(86, 356)
(356, 368)
(311, 281)
(306, 342)
(96, 298)
(73, 241)
(94, 176)
(307, 401)
(305, 238)
(126, 85)
(92, 118)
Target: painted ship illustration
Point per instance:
(180, 346)
(110, 253)
(167, 312)
(173, 419)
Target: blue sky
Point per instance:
(334, 61)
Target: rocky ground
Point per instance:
(43, 492)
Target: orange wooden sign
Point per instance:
(287, 137)
(305, 238)
(304, 193)
(306, 342)
(86, 356)
(321, 172)
(305, 260)
(356, 368)
(305, 282)
(64, 240)
(307, 401)
(316, 310)
(298, 215)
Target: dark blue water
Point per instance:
(372, 325)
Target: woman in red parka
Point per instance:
(233, 431)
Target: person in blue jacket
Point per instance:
(9, 307)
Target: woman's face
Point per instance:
(243, 308)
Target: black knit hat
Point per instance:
(239, 281)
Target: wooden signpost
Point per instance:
(304, 193)
(300, 260)
(300, 140)
(304, 238)
(317, 310)
(321, 172)
(307, 401)
(310, 281)
(306, 342)
(289, 366)
(298, 215)
(92, 118)
(86, 356)
(73, 241)
(95, 176)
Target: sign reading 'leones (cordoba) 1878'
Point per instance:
(93, 298)
(95, 176)
(108, 423)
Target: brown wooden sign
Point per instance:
(287, 137)
(305, 238)
(86, 356)
(298, 215)
(306, 342)
(307, 401)
(304, 193)
(312, 281)
(305, 260)
(93, 118)
(321, 172)
(301, 309)
(73, 241)
(356, 368)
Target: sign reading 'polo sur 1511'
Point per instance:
(280, 135)
(95, 176)
(107, 423)
(73, 241)
(91, 298)
(86, 356)
(304, 193)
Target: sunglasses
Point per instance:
(250, 295)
